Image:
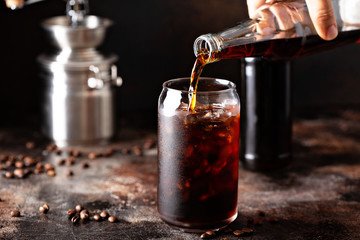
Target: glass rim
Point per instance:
(231, 86)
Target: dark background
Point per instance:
(153, 40)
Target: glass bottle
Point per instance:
(280, 31)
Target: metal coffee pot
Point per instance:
(79, 95)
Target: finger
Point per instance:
(282, 16)
(323, 16)
(253, 5)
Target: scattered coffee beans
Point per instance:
(247, 230)
(273, 220)
(44, 208)
(97, 217)
(70, 161)
(30, 145)
(78, 208)
(85, 165)
(149, 143)
(238, 233)
(15, 213)
(71, 212)
(48, 166)
(136, 150)
(104, 214)
(84, 215)
(75, 219)
(69, 173)
(9, 174)
(51, 173)
(19, 173)
(112, 219)
(61, 162)
(261, 213)
(19, 164)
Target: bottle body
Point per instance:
(198, 155)
(266, 114)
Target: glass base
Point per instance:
(199, 227)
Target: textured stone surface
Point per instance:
(317, 197)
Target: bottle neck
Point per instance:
(210, 44)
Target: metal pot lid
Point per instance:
(76, 62)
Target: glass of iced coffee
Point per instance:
(198, 154)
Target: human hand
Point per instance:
(321, 13)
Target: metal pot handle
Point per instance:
(95, 82)
(116, 80)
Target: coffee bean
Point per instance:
(258, 222)
(227, 230)
(29, 161)
(58, 151)
(69, 173)
(51, 147)
(9, 174)
(70, 161)
(97, 217)
(238, 233)
(70, 151)
(149, 143)
(27, 171)
(108, 152)
(21, 157)
(71, 212)
(136, 150)
(61, 162)
(45, 206)
(84, 216)
(261, 213)
(51, 173)
(43, 210)
(84, 211)
(104, 214)
(93, 155)
(48, 166)
(112, 219)
(125, 151)
(38, 170)
(76, 153)
(210, 233)
(39, 165)
(15, 213)
(9, 163)
(247, 230)
(19, 173)
(19, 164)
(3, 157)
(78, 208)
(75, 219)
(3, 167)
(85, 165)
(249, 220)
(273, 220)
(30, 145)
(11, 158)
(204, 236)
(39, 158)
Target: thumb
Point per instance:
(323, 16)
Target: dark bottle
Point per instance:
(266, 114)
(267, 44)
